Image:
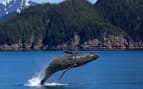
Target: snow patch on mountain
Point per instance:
(27, 4)
(9, 6)
(4, 3)
(18, 11)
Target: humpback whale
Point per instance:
(68, 61)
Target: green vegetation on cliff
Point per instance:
(126, 14)
(54, 24)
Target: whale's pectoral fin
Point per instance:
(69, 52)
(63, 73)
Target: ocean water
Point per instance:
(112, 70)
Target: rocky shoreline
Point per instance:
(11, 48)
(110, 42)
(107, 42)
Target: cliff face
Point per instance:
(75, 24)
(110, 42)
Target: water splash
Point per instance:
(35, 81)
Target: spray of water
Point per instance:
(35, 81)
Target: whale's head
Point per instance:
(84, 59)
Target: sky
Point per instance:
(56, 1)
(52, 1)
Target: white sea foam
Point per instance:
(35, 82)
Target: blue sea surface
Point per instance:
(112, 70)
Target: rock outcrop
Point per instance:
(110, 42)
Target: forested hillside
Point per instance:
(72, 24)
(126, 14)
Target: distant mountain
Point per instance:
(74, 24)
(126, 14)
(11, 6)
